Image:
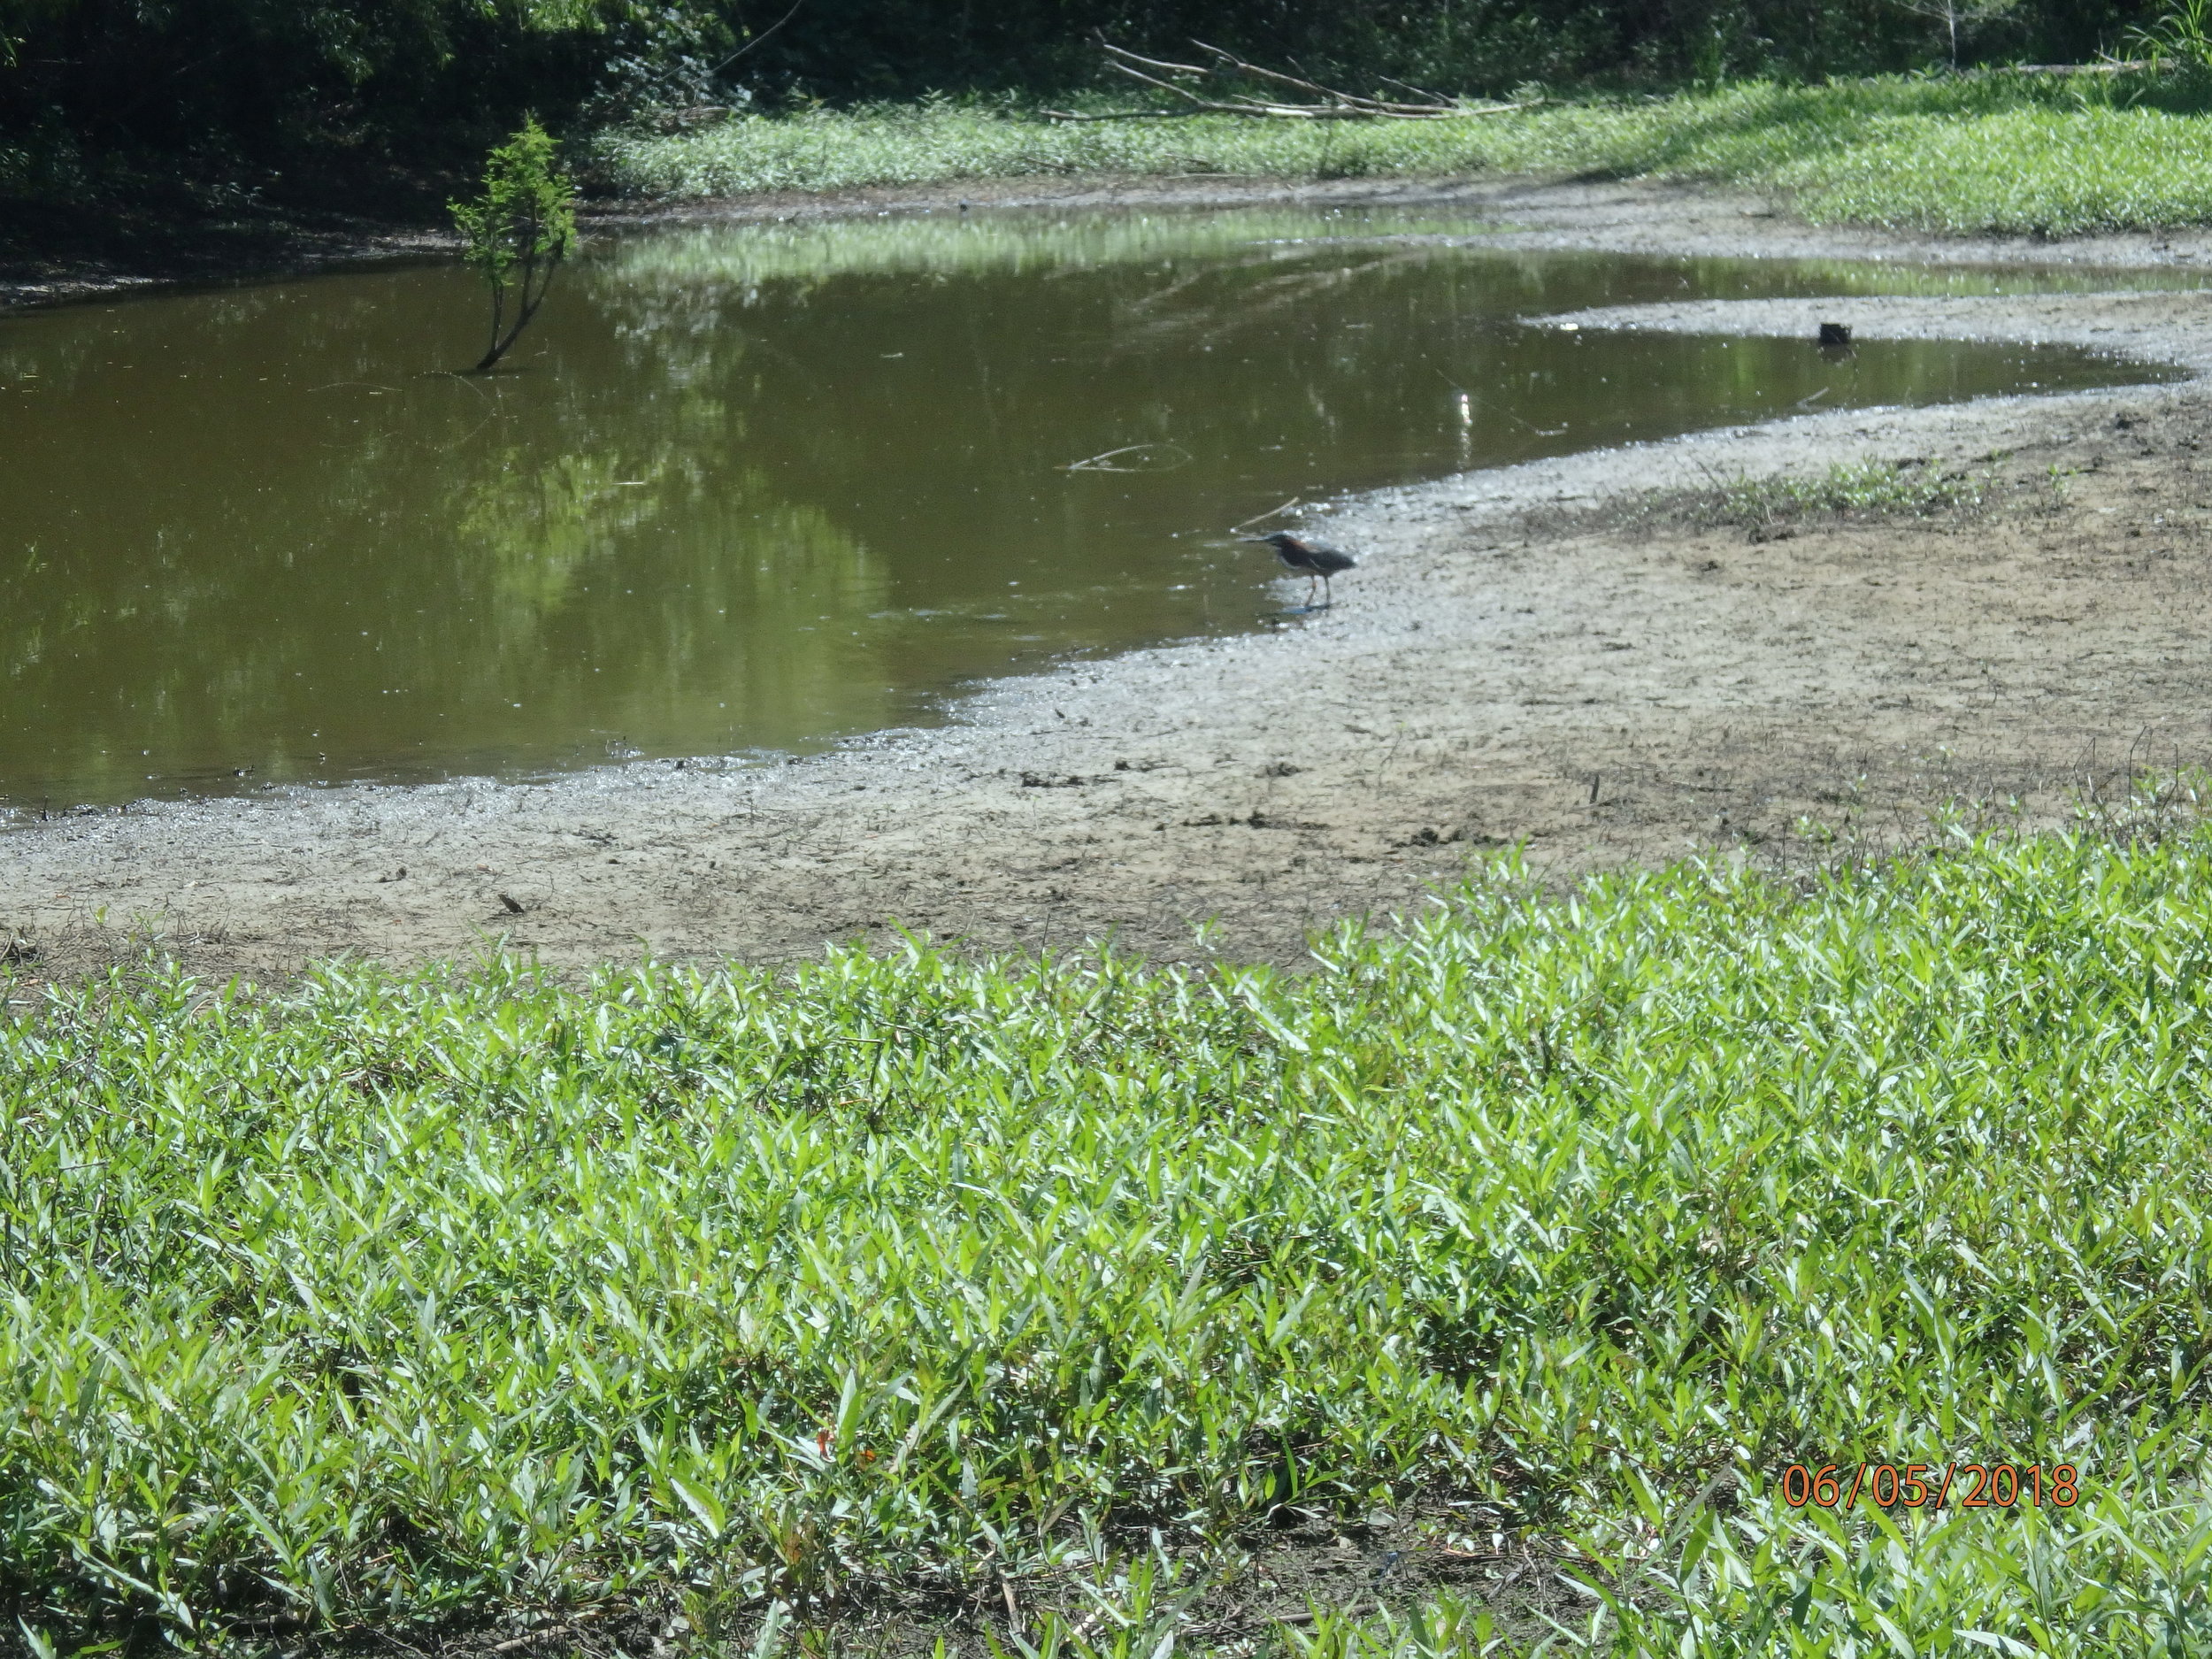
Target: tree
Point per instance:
(1954, 15)
(519, 231)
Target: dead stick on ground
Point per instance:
(1358, 1610)
(550, 1631)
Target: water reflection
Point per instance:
(757, 488)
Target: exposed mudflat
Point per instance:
(1521, 658)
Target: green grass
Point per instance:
(1999, 153)
(1847, 493)
(398, 1301)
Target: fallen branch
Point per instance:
(547, 1632)
(1331, 104)
(2104, 67)
(1121, 115)
(1229, 63)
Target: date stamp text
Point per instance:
(1931, 1486)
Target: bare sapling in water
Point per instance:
(518, 232)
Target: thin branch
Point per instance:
(1435, 97)
(1152, 63)
(1241, 106)
(1262, 518)
(1122, 115)
(1336, 105)
(1230, 60)
(756, 39)
(1164, 86)
(1102, 463)
(1233, 61)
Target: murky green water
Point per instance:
(749, 488)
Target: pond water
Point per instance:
(757, 488)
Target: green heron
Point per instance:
(1316, 561)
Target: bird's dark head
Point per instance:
(1281, 539)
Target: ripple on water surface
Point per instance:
(761, 487)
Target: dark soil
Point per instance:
(1222, 1602)
(147, 230)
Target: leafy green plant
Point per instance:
(2181, 38)
(518, 232)
(1846, 492)
(397, 1300)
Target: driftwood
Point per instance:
(1323, 104)
(1106, 462)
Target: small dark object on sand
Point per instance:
(1835, 336)
(1316, 561)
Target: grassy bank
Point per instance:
(1998, 153)
(921, 1286)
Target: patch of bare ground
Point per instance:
(1226, 1600)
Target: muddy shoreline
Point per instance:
(1522, 658)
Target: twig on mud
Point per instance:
(513, 1644)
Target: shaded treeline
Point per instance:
(210, 83)
(898, 47)
(259, 79)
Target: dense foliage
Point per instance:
(402, 1297)
(232, 82)
(901, 46)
